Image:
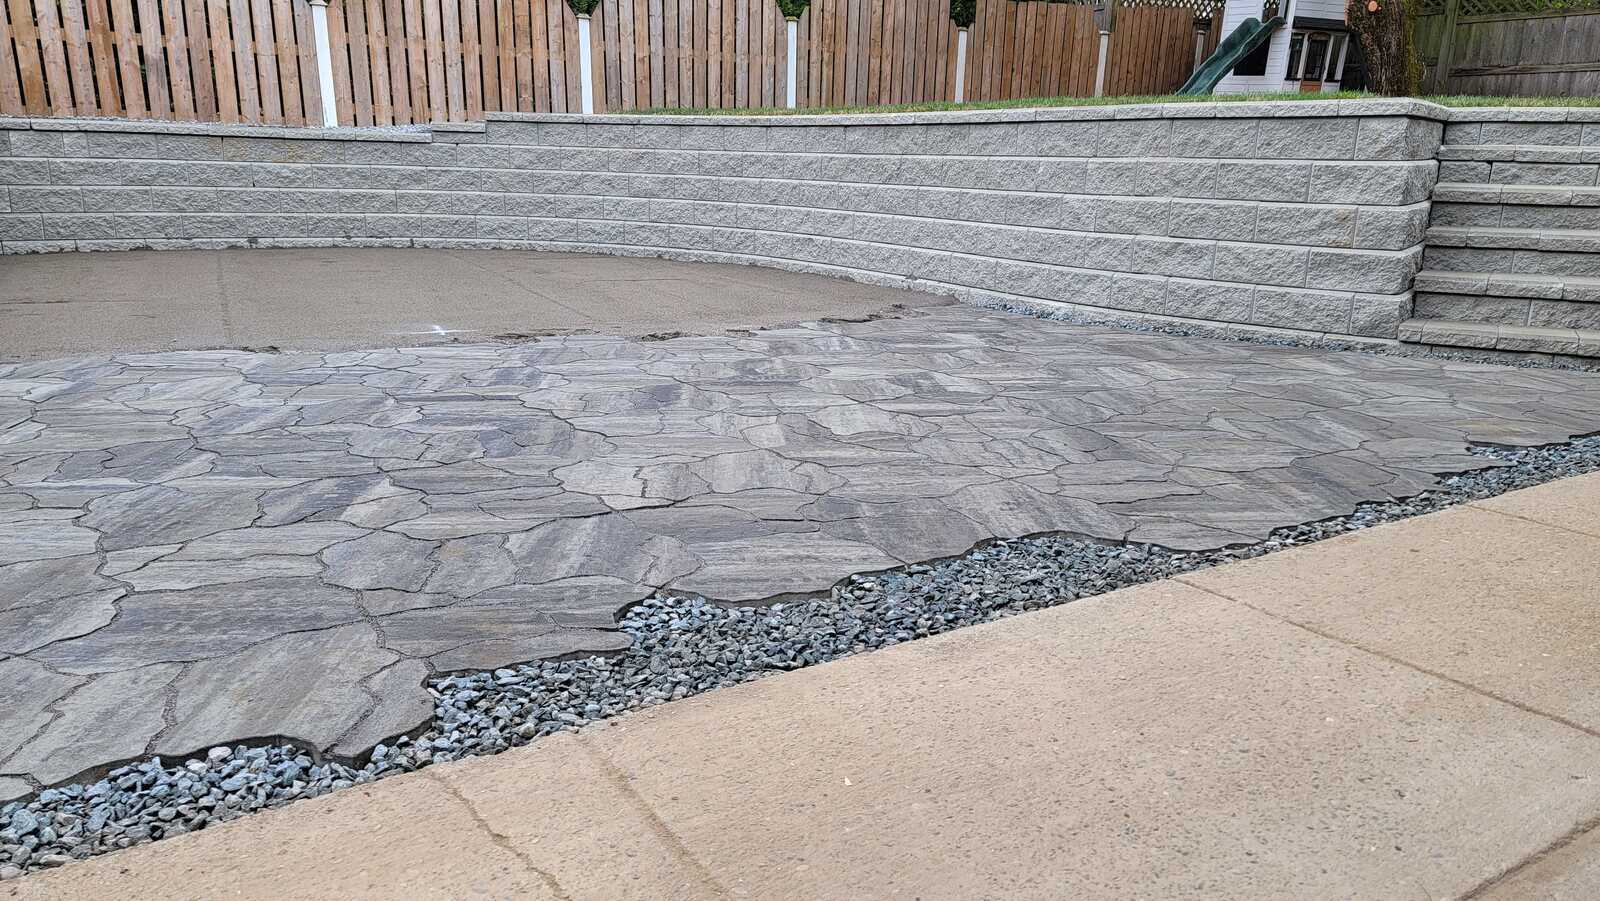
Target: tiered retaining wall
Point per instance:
(1306, 215)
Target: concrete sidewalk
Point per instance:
(1405, 712)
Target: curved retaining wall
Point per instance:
(1306, 215)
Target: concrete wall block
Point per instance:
(1321, 138)
(186, 200)
(1375, 184)
(463, 203)
(1299, 223)
(1379, 315)
(1133, 215)
(806, 138)
(1171, 256)
(1463, 172)
(26, 172)
(45, 199)
(1556, 314)
(502, 227)
(1261, 180)
(1535, 262)
(1565, 217)
(1260, 264)
(1298, 308)
(1582, 175)
(1531, 133)
(544, 134)
(1372, 271)
(1223, 220)
(407, 226)
(1061, 176)
(1462, 132)
(1135, 177)
(1132, 137)
(21, 227)
(512, 156)
(150, 172)
(716, 137)
(1215, 301)
(1138, 293)
(1398, 138)
(1485, 215)
(1472, 308)
(1215, 138)
(1467, 259)
(106, 200)
(1391, 228)
(1591, 134)
(1063, 139)
(53, 144)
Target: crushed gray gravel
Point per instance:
(682, 646)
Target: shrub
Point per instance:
(1384, 30)
(963, 12)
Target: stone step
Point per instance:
(1515, 215)
(1502, 310)
(1532, 195)
(1509, 284)
(1520, 153)
(1563, 264)
(1572, 240)
(1572, 167)
(1494, 336)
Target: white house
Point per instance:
(1306, 54)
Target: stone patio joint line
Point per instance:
(1396, 660)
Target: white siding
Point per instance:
(1278, 48)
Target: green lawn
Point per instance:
(1024, 102)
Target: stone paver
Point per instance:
(206, 546)
(1162, 741)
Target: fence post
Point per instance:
(961, 65)
(319, 27)
(793, 27)
(1105, 15)
(1202, 28)
(585, 65)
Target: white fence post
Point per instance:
(319, 27)
(1100, 65)
(586, 65)
(794, 48)
(961, 65)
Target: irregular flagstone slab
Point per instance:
(285, 545)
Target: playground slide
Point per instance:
(1247, 37)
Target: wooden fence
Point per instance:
(405, 61)
(1510, 47)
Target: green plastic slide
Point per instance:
(1247, 37)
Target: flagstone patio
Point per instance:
(199, 547)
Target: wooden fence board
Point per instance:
(471, 62)
(310, 80)
(23, 49)
(52, 45)
(294, 112)
(451, 56)
(263, 47)
(11, 100)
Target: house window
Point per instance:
(1315, 56)
(1297, 47)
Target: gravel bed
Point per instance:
(682, 646)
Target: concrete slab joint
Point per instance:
(1025, 204)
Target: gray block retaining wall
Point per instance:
(1306, 215)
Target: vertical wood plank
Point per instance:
(522, 54)
(310, 80)
(12, 101)
(555, 41)
(265, 49)
(802, 52)
(104, 57)
(244, 61)
(669, 51)
(288, 62)
(53, 56)
(180, 76)
(433, 44)
(343, 88)
(471, 62)
(627, 58)
(615, 11)
(378, 64)
(489, 41)
(641, 53)
(134, 105)
(713, 52)
(221, 60)
(85, 99)
(569, 31)
(741, 96)
(539, 36)
(450, 55)
(355, 54)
